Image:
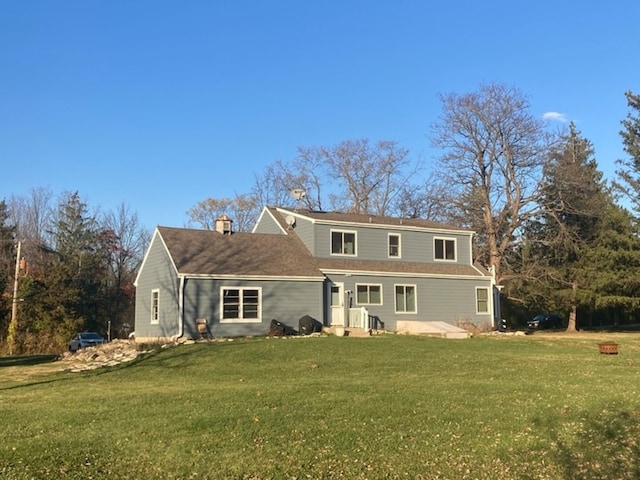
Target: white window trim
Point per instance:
(395, 304)
(399, 245)
(355, 243)
(369, 285)
(155, 313)
(240, 320)
(455, 249)
(488, 312)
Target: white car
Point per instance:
(85, 339)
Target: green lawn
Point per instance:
(535, 407)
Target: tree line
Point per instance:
(64, 269)
(557, 236)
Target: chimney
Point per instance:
(223, 225)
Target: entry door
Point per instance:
(336, 299)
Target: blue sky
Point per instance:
(161, 104)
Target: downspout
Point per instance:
(180, 310)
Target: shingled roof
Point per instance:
(395, 266)
(206, 252)
(357, 218)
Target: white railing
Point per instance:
(359, 318)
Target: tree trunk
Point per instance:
(573, 313)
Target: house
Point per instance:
(359, 271)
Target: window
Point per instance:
(445, 249)
(155, 306)
(369, 294)
(482, 300)
(394, 245)
(405, 299)
(343, 243)
(240, 304)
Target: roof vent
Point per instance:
(223, 225)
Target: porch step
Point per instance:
(348, 332)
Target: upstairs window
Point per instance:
(343, 243)
(394, 246)
(445, 249)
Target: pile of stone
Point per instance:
(107, 355)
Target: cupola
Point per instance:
(223, 225)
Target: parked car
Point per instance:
(545, 321)
(85, 339)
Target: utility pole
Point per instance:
(13, 326)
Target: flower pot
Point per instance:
(608, 348)
(340, 331)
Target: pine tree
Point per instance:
(7, 266)
(629, 173)
(556, 244)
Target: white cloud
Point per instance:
(555, 116)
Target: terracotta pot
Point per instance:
(608, 348)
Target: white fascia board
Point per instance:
(383, 226)
(250, 277)
(403, 275)
(267, 211)
(154, 238)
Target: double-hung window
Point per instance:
(444, 249)
(343, 243)
(155, 306)
(368, 294)
(394, 246)
(241, 304)
(406, 299)
(482, 300)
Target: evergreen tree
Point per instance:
(68, 295)
(7, 267)
(556, 248)
(629, 173)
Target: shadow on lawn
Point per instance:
(23, 360)
(606, 445)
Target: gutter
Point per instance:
(180, 310)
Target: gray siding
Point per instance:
(285, 301)
(157, 273)
(438, 299)
(267, 224)
(306, 232)
(372, 243)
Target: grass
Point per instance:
(538, 407)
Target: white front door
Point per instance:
(336, 299)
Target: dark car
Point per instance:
(85, 339)
(545, 321)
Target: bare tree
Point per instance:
(278, 180)
(493, 154)
(370, 176)
(243, 210)
(32, 215)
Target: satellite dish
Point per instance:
(291, 220)
(298, 193)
